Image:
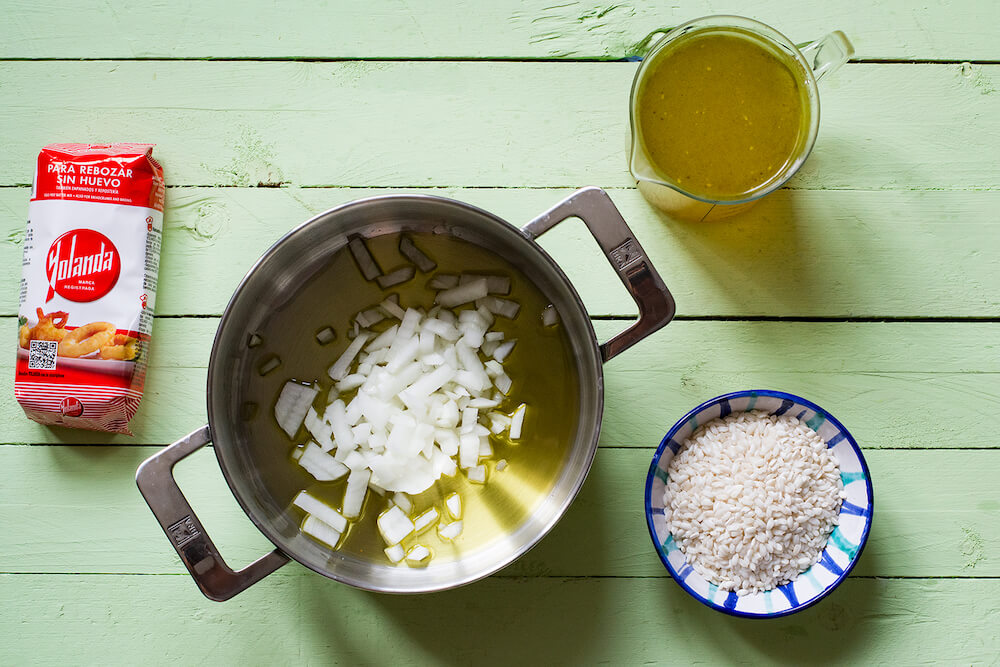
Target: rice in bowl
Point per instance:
(751, 499)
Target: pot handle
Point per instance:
(156, 482)
(598, 212)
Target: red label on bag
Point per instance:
(112, 174)
(82, 265)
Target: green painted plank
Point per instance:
(910, 385)
(410, 124)
(94, 619)
(76, 510)
(825, 253)
(503, 29)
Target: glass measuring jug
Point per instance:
(674, 190)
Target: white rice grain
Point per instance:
(752, 499)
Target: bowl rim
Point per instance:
(775, 394)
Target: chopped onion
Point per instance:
(416, 255)
(502, 382)
(549, 316)
(320, 530)
(325, 335)
(293, 403)
(453, 503)
(451, 530)
(321, 465)
(339, 369)
(354, 494)
(269, 365)
(501, 465)
(477, 474)
(403, 502)
(392, 308)
(366, 318)
(398, 276)
(418, 555)
(254, 340)
(516, 421)
(395, 553)
(495, 284)
(502, 307)
(316, 507)
(425, 520)
(443, 281)
(394, 525)
(366, 263)
(504, 349)
(462, 294)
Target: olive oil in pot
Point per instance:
(541, 366)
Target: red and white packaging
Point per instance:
(88, 288)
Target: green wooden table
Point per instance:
(870, 285)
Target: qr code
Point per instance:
(43, 355)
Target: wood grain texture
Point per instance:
(77, 510)
(502, 29)
(533, 621)
(484, 124)
(909, 385)
(823, 253)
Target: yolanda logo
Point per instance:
(81, 265)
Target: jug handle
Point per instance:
(641, 49)
(156, 482)
(827, 54)
(599, 213)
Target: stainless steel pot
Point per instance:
(274, 282)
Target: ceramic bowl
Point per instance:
(844, 545)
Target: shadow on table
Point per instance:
(771, 260)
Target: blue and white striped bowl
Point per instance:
(845, 543)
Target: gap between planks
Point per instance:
(450, 59)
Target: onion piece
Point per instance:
(321, 465)
(340, 367)
(501, 465)
(498, 306)
(321, 531)
(425, 520)
(503, 383)
(269, 365)
(366, 263)
(368, 317)
(516, 421)
(418, 555)
(403, 502)
(549, 316)
(443, 281)
(394, 525)
(504, 349)
(397, 277)
(415, 254)
(462, 294)
(316, 507)
(292, 405)
(477, 474)
(254, 340)
(354, 494)
(391, 307)
(453, 503)
(451, 530)
(325, 335)
(468, 450)
(395, 553)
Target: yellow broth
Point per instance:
(721, 114)
(541, 367)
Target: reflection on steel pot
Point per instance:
(310, 261)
